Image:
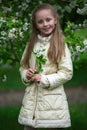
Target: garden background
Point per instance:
(15, 28)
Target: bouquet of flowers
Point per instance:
(40, 59)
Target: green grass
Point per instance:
(13, 78)
(79, 77)
(79, 116)
(9, 117)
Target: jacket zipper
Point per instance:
(35, 102)
(35, 97)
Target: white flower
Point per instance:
(17, 14)
(27, 1)
(3, 38)
(21, 34)
(14, 20)
(6, 9)
(29, 14)
(40, 2)
(78, 48)
(2, 20)
(3, 33)
(68, 9)
(13, 30)
(40, 59)
(79, 25)
(19, 6)
(25, 19)
(4, 78)
(39, 52)
(85, 42)
(11, 35)
(25, 26)
(24, 6)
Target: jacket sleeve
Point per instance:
(23, 71)
(64, 73)
(24, 79)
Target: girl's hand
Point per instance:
(36, 78)
(30, 72)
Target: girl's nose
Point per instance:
(44, 23)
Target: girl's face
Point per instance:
(45, 22)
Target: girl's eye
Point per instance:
(40, 21)
(48, 19)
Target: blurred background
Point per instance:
(15, 28)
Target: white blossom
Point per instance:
(85, 45)
(3, 33)
(40, 2)
(2, 38)
(6, 9)
(2, 20)
(85, 42)
(24, 6)
(78, 48)
(29, 14)
(14, 20)
(40, 59)
(11, 35)
(25, 19)
(39, 52)
(4, 78)
(82, 11)
(79, 25)
(68, 9)
(21, 34)
(28, 1)
(19, 6)
(13, 30)
(25, 26)
(17, 14)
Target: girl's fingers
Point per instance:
(30, 72)
(28, 77)
(36, 78)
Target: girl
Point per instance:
(45, 104)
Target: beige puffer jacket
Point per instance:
(45, 104)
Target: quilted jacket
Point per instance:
(45, 104)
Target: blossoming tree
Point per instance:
(15, 26)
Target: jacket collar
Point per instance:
(44, 39)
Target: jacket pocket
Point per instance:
(53, 102)
(54, 99)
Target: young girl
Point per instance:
(45, 104)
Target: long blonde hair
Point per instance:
(56, 49)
